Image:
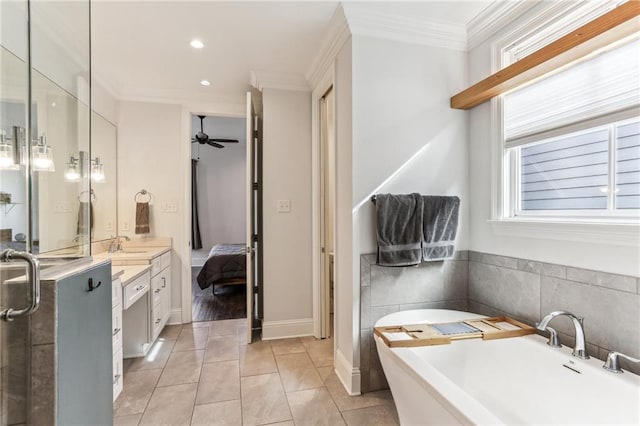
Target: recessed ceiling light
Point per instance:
(196, 44)
(205, 82)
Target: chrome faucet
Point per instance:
(116, 243)
(580, 349)
(612, 364)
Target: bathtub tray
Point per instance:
(444, 333)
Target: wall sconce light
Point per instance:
(42, 156)
(7, 158)
(83, 166)
(13, 152)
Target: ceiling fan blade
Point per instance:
(224, 140)
(212, 143)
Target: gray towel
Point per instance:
(85, 218)
(399, 219)
(440, 227)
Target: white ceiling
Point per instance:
(141, 48)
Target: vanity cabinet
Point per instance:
(116, 325)
(161, 293)
(146, 296)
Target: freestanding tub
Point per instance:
(511, 381)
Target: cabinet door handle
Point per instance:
(164, 282)
(157, 290)
(93, 287)
(116, 331)
(158, 321)
(140, 287)
(116, 378)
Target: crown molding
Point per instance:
(405, 29)
(336, 36)
(277, 80)
(493, 18)
(223, 102)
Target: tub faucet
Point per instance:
(580, 349)
(116, 243)
(612, 364)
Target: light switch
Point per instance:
(125, 225)
(284, 206)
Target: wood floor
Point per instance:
(229, 302)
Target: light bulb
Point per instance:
(196, 44)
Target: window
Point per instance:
(572, 139)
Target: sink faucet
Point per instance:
(612, 364)
(116, 243)
(580, 349)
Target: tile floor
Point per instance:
(205, 374)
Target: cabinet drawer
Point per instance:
(165, 260)
(116, 325)
(118, 376)
(156, 289)
(156, 265)
(136, 289)
(116, 293)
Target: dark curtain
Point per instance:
(196, 241)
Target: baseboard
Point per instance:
(175, 317)
(288, 328)
(348, 375)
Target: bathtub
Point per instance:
(511, 381)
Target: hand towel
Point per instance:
(85, 218)
(440, 227)
(142, 218)
(399, 223)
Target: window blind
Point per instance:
(602, 85)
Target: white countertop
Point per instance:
(130, 273)
(134, 253)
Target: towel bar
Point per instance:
(143, 192)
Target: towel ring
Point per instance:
(138, 197)
(91, 194)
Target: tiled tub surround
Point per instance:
(528, 290)
(499, 285)
(384, 290)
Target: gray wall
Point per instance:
(497, 285)
(386, 290)
(528, 290)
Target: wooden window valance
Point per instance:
(614, 25)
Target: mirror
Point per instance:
(60, 131)
(103, 148)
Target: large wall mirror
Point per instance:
(103, 182)
(48, 209)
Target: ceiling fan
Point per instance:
(202, 138)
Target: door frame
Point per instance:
(327, 81)
(184, 248)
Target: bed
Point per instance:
(226, 265)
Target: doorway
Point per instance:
(327, 211)
(219, 170)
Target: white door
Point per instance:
(250, 216)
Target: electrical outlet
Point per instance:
(170, 207)
(284, 206)
(109, 225)
(125, 225)
(61, 207)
